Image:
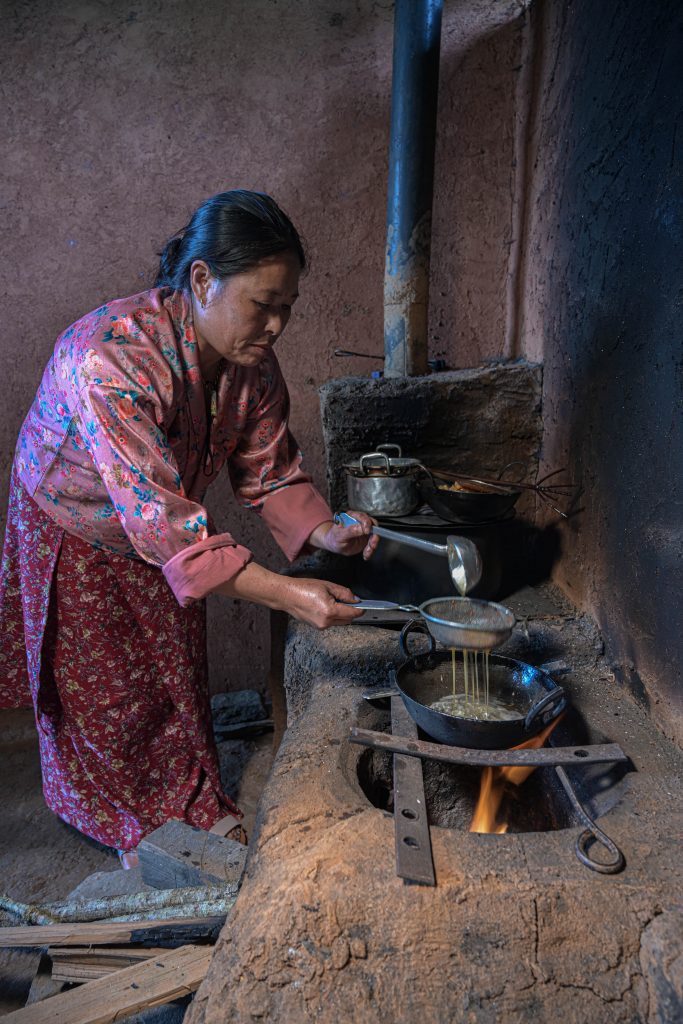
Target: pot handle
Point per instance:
(415, 626)
(546, 708)
(389, 448)
(374, 455)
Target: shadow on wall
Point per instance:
(626, 432)
(611, 310)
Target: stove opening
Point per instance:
(538, 804)
(451, 792)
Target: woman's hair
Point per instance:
(231, 232)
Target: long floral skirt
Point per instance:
(117, 674)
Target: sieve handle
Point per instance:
(381, 606)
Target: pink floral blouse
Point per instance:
(118, 450)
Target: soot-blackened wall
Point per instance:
(604, 303)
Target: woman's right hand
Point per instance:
(318, 602)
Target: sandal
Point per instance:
(129, 858)
(230, 827)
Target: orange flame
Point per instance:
(493, 784)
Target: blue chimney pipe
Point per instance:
(415, 82)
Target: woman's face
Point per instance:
(241, 317)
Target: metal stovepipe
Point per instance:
(415, 81)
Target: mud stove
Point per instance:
(516, 927)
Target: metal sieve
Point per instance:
(462, 622)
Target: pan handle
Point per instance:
(415, 626)
(547, 708)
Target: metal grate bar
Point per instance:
(597, 753)
(414, 862)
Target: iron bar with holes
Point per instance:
(598, 753)
(414, 861)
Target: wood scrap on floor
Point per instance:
(189, 901)
(178, 854)
(173, 932)
(190, 877)
(158, 980)
(77, 964)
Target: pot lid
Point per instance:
(380, 463)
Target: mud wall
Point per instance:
(119, 117)
(602, 286)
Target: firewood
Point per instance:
(173, 932)
(194, 901)
(159, 980)
(83, 963)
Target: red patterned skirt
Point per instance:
(117, 674)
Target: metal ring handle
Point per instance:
(590, 834)
(595, 834)
(389, 447)
(555, 697)
(415, 626)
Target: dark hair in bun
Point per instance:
(231, 232)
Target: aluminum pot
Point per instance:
(383, 485)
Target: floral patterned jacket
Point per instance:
(118, 448)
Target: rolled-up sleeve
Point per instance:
(265, 469)
(194, 572)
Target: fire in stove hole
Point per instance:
(495, 781)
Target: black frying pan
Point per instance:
(425, 678)
(476, 504)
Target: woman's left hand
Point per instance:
(346, 540)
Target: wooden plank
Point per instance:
(85, 963)
(178, 855)
(159, 980)
(174, 931)
(595, 753)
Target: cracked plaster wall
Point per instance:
(120, 116)
(602, 288)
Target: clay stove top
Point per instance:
(516, 927)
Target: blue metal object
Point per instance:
(417, 38)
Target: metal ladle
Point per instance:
(464, 560)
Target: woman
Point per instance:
(109, 550)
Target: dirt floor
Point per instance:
(42, 859)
